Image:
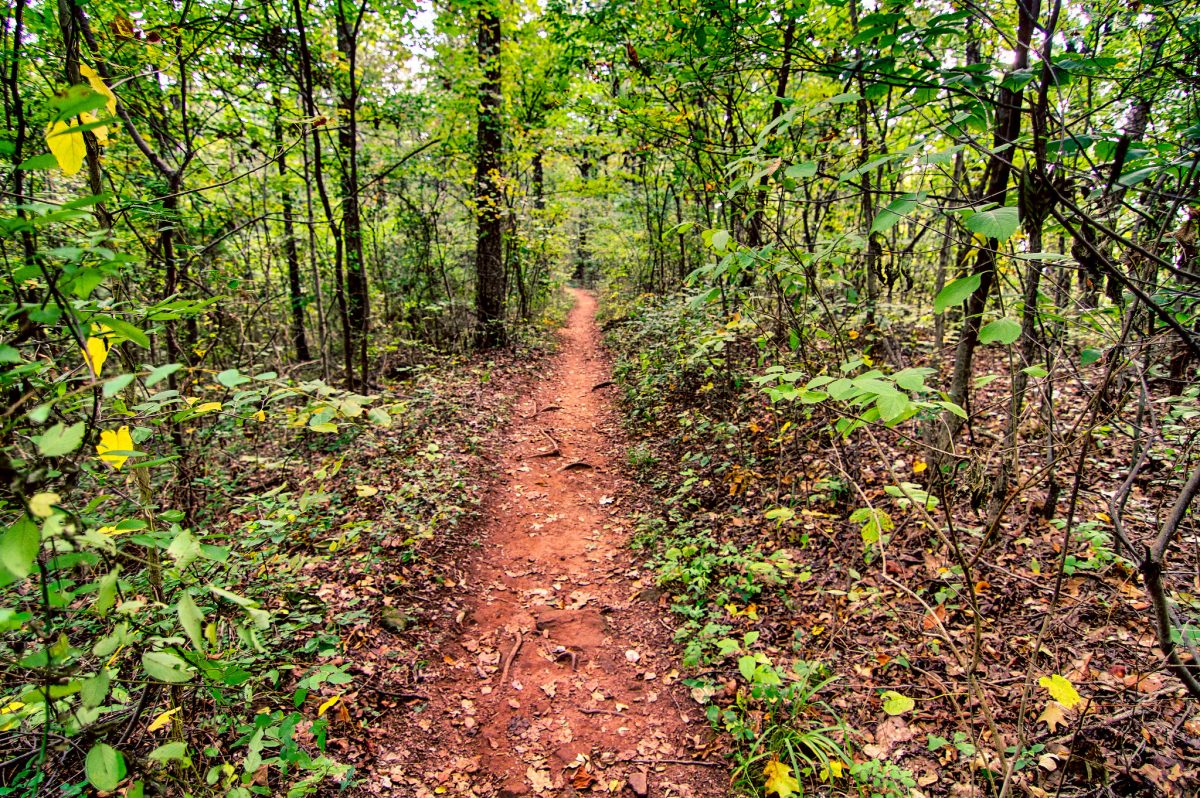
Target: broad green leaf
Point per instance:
(956, 292)
(105, 767)
(998, 223)
(95, 689)
(161, 373)
(720, 240)
(896, 703)
(61, 439)
(892, 406)
(192, 620)
(1003, 331)
(231, 378)
(1089, 356)
(170, 752)
(746, 667)
(895, 211)
(166, 667)
(801, 171)
(19, 547)
(106, 593)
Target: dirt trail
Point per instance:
(560, 681)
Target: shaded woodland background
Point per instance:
(902, 296)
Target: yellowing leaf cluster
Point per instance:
(66, 140)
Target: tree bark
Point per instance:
(291, 252)
(489, 145)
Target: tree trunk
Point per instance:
(489, 144)
(291, 252)
(999, 168)
(357, 301)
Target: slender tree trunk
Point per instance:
(291, 252)
(357, 300)
(999, 168)
(310, 109)
(489, 209)
(754, 236)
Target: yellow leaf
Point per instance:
(853, 334)
(118, 441)
(1053, 716)
(42, 505)
(328, 705)
(163, 720)
(260, 416)
(919, 466)
(110, 531)
(780, 779)
(101, 133)
(365, 490)
(11, 707)
(95, 353)
(67, 146)
(98, 86)
(835, 770)
(1061, 690)
(208, 407)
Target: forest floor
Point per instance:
(555, 676)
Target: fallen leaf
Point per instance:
(897, 704)
(1053, 716)
(1061, 690)
(779, 779)
(163, 720)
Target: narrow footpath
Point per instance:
(560, 681)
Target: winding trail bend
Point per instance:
(560, 681)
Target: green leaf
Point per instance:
(801, 171)
(892, 406)
(123, 329)
(720, 240)
(897, 704)
(998, 223)
(192, 620)
(1035, 371)
(118, 384)
(170, 752)
(1089, 356)
(161, 373)
(95, 689)
(231, 378)
(746, 667)
(166, 667)
(895, 211)
(956, 292)
(1002, 330)
(44, 161)
(105, 767)
(106, 593)
(60, 439)
(19, 547)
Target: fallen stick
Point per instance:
(508, 661)
(674, 762)
(603, 712)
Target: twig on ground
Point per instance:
(508, 661)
